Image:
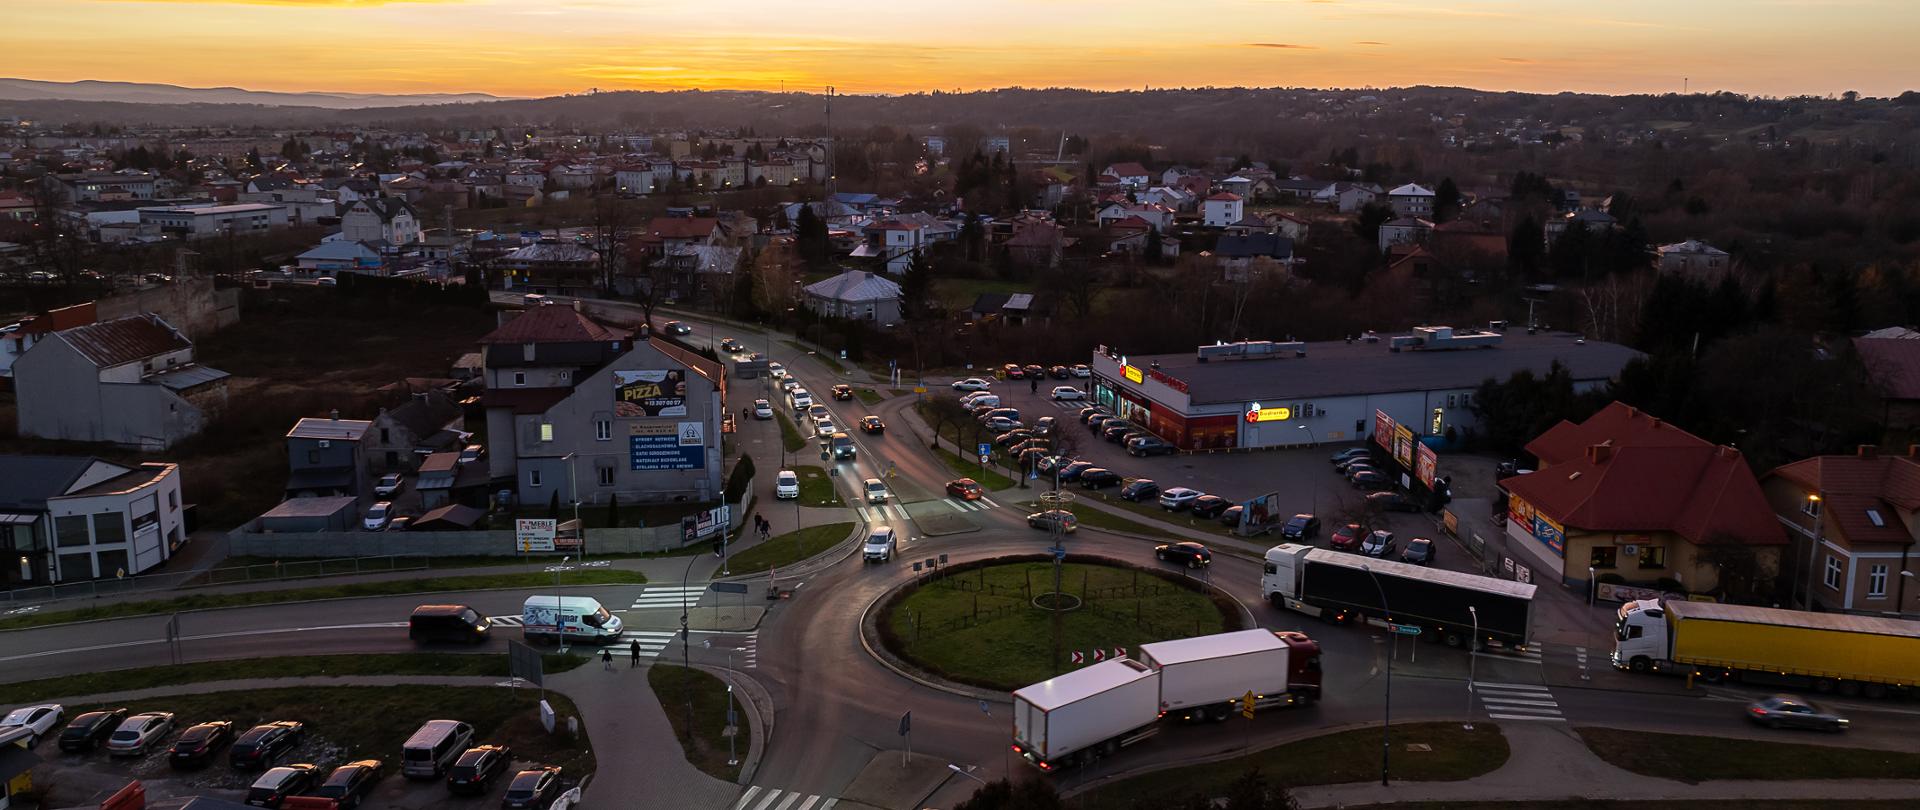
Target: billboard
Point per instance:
(1383, 430)
(1403, 446)
(650, 392)
(702, 524)
(534, 534)
(1539, 526)
(1259, 515)
(666, 446)
(1424, 463)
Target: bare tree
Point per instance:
(942, 410)
(612, 224)
(55, 246)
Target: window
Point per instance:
(533, 478)
(313, 457)
(1603, 557)
(519, 378)
(384, 437)
(71, 530)
(110, 527)
(1877, 582)
(1450, 400)
(1833, 572)
(526, 351)
(1653, 556)
(1465, 400)
(1811, 506)
(603, 430)
(113, 563)
(546, 431)
(606, 476)
(173, 500)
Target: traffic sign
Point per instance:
(1404, 629)
(1059, 553)
(1079, 658)
(1246, 705)
(919, 389)
(985, 449)
(984, 458)
(1099, 655)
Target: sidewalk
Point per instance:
(634, 745)
(1550, 763)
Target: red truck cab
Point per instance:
(1303, 664)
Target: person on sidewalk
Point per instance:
(633, 649)
(606, 659)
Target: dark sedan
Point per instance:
(1419, 551)
(473, 773)
(1095, 421)
(263, 744)
(1072, 472)
(532, 790)
(1209, 506)
(1301, 527)
(1392, 502)
(1098, 477)
(1370, 481)
(89, 730)
(1115, 429)
(1140, 489)
(1787, 711)
(198, 744)
(1150, 446)
(1089, 412)
(1187, 553)
(349, 784)
(1230, 517)
(274, 786)
(1035, 372)
(1060, 373)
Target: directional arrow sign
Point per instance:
(1404, 629)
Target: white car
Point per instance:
(973, 396)
(789, 384)
(762, 409)
(378, 517)
(819, 411)
(777, 371)
(786, 485)
(971, 384)
(1082, 371)
(138, 733)
(1066, 392)
(1177, 498)
(389, 484)
(801, 399)
(876, 491)
(880, 546)
(824, 427)
(37, 719)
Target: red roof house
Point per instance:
(1865, 510)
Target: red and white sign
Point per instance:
(1099, 655)
(1119, 652)
(1078, 658)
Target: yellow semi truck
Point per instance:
(1827, 652)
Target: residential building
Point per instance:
(1038, 245)
(131, 381)
(398, 438)
(17, 338)
(1404, 231)
(200, 222)
(106, 186)
(327, 456)
(341, 256)
(1596, 222)
(1411, 200)
(1892, 366)
(380, 219)
(1245, 258)
(579, 410)
(891, 245)
(1628, 495)
(856, 295)
(1694, 259)
(1154, 214)
(1852, 522)
(665, 235)
(552, 266)
(74, 518)
(1130, 175)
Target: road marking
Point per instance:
(668, 596)
(989, 502)
(1528, 687)
(767, 801)
(864, 517)
(809, 802)
(901, 510)
(746, 797)
(507, 621)
(791, 798)
(750, 653)
(1518, 701)
(1498, 716)
(954, 505)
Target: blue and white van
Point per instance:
(572, 618)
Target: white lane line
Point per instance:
(955, 506)
(808, 803)
(791, 798)
(864, 517)
(1520, 705)
(829, 805)
(1525, 717)
(1529, 687)
(771, 795)
(989, 502)
(902, 510)
(746, 797)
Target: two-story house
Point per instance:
(1853, 521)
(1222, 209)
(429, 421)
(1130, 175)
(380, 219)
(891, 244)
(326, 456)
(1411, 200)
(580, 410)
(131, 381)
(1694, 259)
(856, 295)
(71, 518)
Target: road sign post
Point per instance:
(906, 730)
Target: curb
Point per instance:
(1218, 756)
(842, 549)
(867, 643)
(759, 703)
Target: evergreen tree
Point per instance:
(1525, 248)
(1446, 201)
(810, 238)
(1155, 244)
(613, 511)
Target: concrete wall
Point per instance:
(190, 304)
(488, 543)
(59, 393)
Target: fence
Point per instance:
(265, 572)
(440, 544)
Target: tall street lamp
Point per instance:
(1315, 440)
(573, 490)
(1386, 721)
(1473, 653)
(1813, 546)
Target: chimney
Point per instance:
(1913, 451)
(1866, 451)
(1600, 453)
(334, 415)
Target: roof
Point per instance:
(989, 302)
(553, 251)
(855, 285)
(698, 363)
(426, 414)
(1127, 170)
(124, 340)
(553, 324)
(337, 250)
(26, 482)
(386, 208)
(1690, 246)
(1748, 614)
(187, 377)
(1408, 222)
(312, 507)
(1625, 470)
(453, 515)
(1224, 196)
(204, 210)
(1411, 190)
(1893, 364)
(1061, 690)
(1256, 244)
(439, 462)
(1851, 485)
(679, 228)
(320, 427)
(1199, 648)
(145, 474)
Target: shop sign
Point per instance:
(1132, 374)
(1169, 381)
(1256, 414)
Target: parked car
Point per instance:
(264, 743)
(1391, 502)
(1082, 371)
(1230, 516)
(532, 789)
(1088, 413)
(1346, 538)
(1186, 552)
(1060, 372)
(1419, 551)
(138, 733)
(1347, 468)
(966, 489)
(1002, 423)
(1209, 506)
(1051, 518)
(1096, 420)
(1034, 372)
(89, 730)
(1013, 371)
(389, 484)
(1300, 528)
(1047, 464)
(378, 516)
(1174, 499)
(1349, 454)
(1378, 543)
(1073, 471)
(972, 398)
(38, 720)
(786, 485)
(1788, 711)
(1067, 392)
(1036, 445)
(1044, 425)
(399, 524)
(473, 773)
(971, 384)
(842, 393)
(762, 409)
(872, 424)
(279, 782)
(1012, 437)
(1150, 446)
(1139, 489)
(199, 743)
(875, 490)
(1371, 481)
(349, 784)
(1010, 413)
(1113, 430)
(1027, 457)
(1097, 477)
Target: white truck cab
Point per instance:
(1640, 636)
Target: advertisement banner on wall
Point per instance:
(650, 392)
(1539, 526)
(1383, 430)
(1403, 445)
(1425, 461)
(696, 526)
(667, 446)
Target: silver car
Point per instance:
(1787, 711)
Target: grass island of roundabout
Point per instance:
(987, 623)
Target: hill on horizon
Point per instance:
(148, 93)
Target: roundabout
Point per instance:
(990, 623)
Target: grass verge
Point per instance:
(1097, 519)
(205, 601)
(970, 468)
(868, 396)
(299, 666)
(1691, 758)
(980, 626)
(816, 487)
(1452, 754)
(1152, 512)
(790, 437)
(825, 358)
(789, 548)
(706, 747)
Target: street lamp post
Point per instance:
(1386, 722)
(1473, 652)
(1315, 441)
(1813, 546)
(558, 629)
(573, 489)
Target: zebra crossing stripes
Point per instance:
(776, 799)
(981, 505)
(1518, 701)
(668, 596)
(750, 651)
(651, 641)
(1530, 655)
(506, 621)
(881, 513)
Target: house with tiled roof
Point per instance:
(380, 219)
(1853, 521)
(1891, 360)
(131, 381)
(1626, 494)
(1222, 209)
(1130, 175)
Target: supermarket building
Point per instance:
(1264, 394)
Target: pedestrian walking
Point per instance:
(606, 659)
(633, 649)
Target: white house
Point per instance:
(893, 243)
(1411, 200)
(1131, 175)
(1692, 258)
(855, 295)
(380, 219)
(1155, 214)
(213, 220)
(1222, 209)
(1404, 231)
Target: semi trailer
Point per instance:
(1826, 652)
(1446, 606)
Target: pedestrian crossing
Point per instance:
(1518, 701)
(651, 641)
(750, 651)
(668, 596)
(1530, 655)
(775, 799)
(881, 513)
(980, 505)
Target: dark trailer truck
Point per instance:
(1341, 587)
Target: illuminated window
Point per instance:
(1653, 556)
(1603, 557)
(546, 431)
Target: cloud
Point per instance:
(1516, 60)
(295, 3)
(1283, 45)
(1370, 42)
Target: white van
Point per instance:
(433, 748)
(574, 618)
(989, 400)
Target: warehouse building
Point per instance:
(1262, 394)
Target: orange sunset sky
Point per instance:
(532, 48)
